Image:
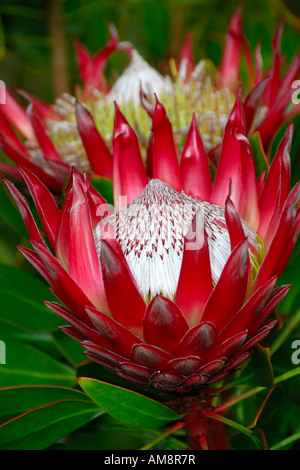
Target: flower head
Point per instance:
(175, 288)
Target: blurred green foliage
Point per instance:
(156, 28)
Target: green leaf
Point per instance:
(105, 434)
(127, 406)
(283, 363)
(22, 298)
(280, 417)
(286, 442)
(104, 186)
(242, 442)
(69, 348)
(9, 213)
(260, 159)
(27, 365)
(96, 371)
(288, 375)
(165, 436)
(41, 341)
(286, 332)
(16, 400)
(291, 301)
(294, 152)
(259, 371)
(256, 436)
(43, 426)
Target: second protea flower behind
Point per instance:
(52, 139)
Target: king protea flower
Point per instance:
(54, 136)
(175, 287)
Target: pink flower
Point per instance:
(175, 288)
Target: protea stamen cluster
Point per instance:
(152, 230)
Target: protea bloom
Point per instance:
(175, 288)
(55, 140)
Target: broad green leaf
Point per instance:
(22, 298)
(42, 341)
(104, 186)
(41, 427)
(16, 400)
(27, 365)
(127, 406)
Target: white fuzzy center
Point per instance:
(151, 231)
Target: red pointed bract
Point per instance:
(234, 224)
(115, 334)
(186, 63)
(165, 161)
(99, 155)
(195, 282)
(194, 165)
(16, 114)
(7, 131)
(278, 177)
(127, 161)
(240, 170)
(230, 64)
(25, 212)
(65, 288)
(47, 209)
(22, 160)
(231, 286)
(83, 260)
(47, 147)
(161, 315)
(127, 307)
